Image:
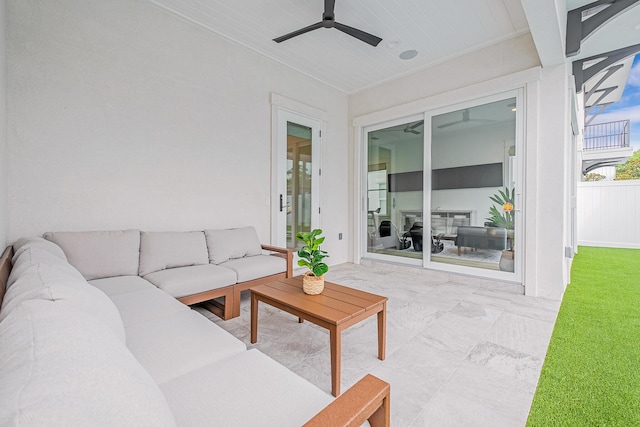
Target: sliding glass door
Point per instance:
(473, 185)
(464, 214)
(394, 189)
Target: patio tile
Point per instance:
(461, 351)
(521, 333)
(450, 409)
(522, 368)
(496, 391)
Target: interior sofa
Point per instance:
(104, 342)
(193, 266)
(481, 238)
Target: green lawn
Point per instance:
(591, 375)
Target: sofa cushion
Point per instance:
(161, 250)
(183, 281)
(98, 254)
(270, 394)
(233, 243)
(51, 283)
(36, 255)
(61, 367)
(37, 242)
(146, 305)
(195, 342)
(121, 284)
(254, 267)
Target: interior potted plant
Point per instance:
(311, 256)
(503, 216)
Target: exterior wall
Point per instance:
(503, 58)
(124, 116)
(608, 214)
(486, 72)
(3, 129)
(547, 202)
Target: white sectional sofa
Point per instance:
(89, 336)
(194, 267)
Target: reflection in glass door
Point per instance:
(394, 189)
(299, 181)
(473, 186)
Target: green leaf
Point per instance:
(320, 269)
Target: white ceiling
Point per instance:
(437, 29)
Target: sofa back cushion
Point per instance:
(233, 243)
(98, 254)
(61, 367)
(170, 249)
(56, 283)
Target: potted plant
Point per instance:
(311, 256)
(503, 216)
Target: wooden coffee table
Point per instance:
(336, 308)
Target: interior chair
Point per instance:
(416, 232)
(416, 236)
(390, 236)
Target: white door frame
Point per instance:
(280, 117)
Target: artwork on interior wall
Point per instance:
(475, 176)
(405, 181)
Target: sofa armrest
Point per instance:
(368, 400)
(285, 253)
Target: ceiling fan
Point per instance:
(409, 128)
(329, 21)
(465, 118)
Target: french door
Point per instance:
(296, 177)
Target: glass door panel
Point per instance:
(299, 181)
(394, 189)
(473, 178)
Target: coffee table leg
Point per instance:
(254, 318)
(336, 349)
(382, 331)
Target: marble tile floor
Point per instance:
(461, 351)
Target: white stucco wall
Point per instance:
(3, 128)
(124, 116)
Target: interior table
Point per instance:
(336, 308)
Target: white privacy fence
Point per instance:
(609, 214)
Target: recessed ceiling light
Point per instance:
(393, 44)
(408, 54)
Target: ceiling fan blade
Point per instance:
(416, 125)
(481, 120)
(298, 32)
(359, 34)
(451, 124)
(329, 7)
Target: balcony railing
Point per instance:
(607, 135)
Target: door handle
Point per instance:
(281, 204)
